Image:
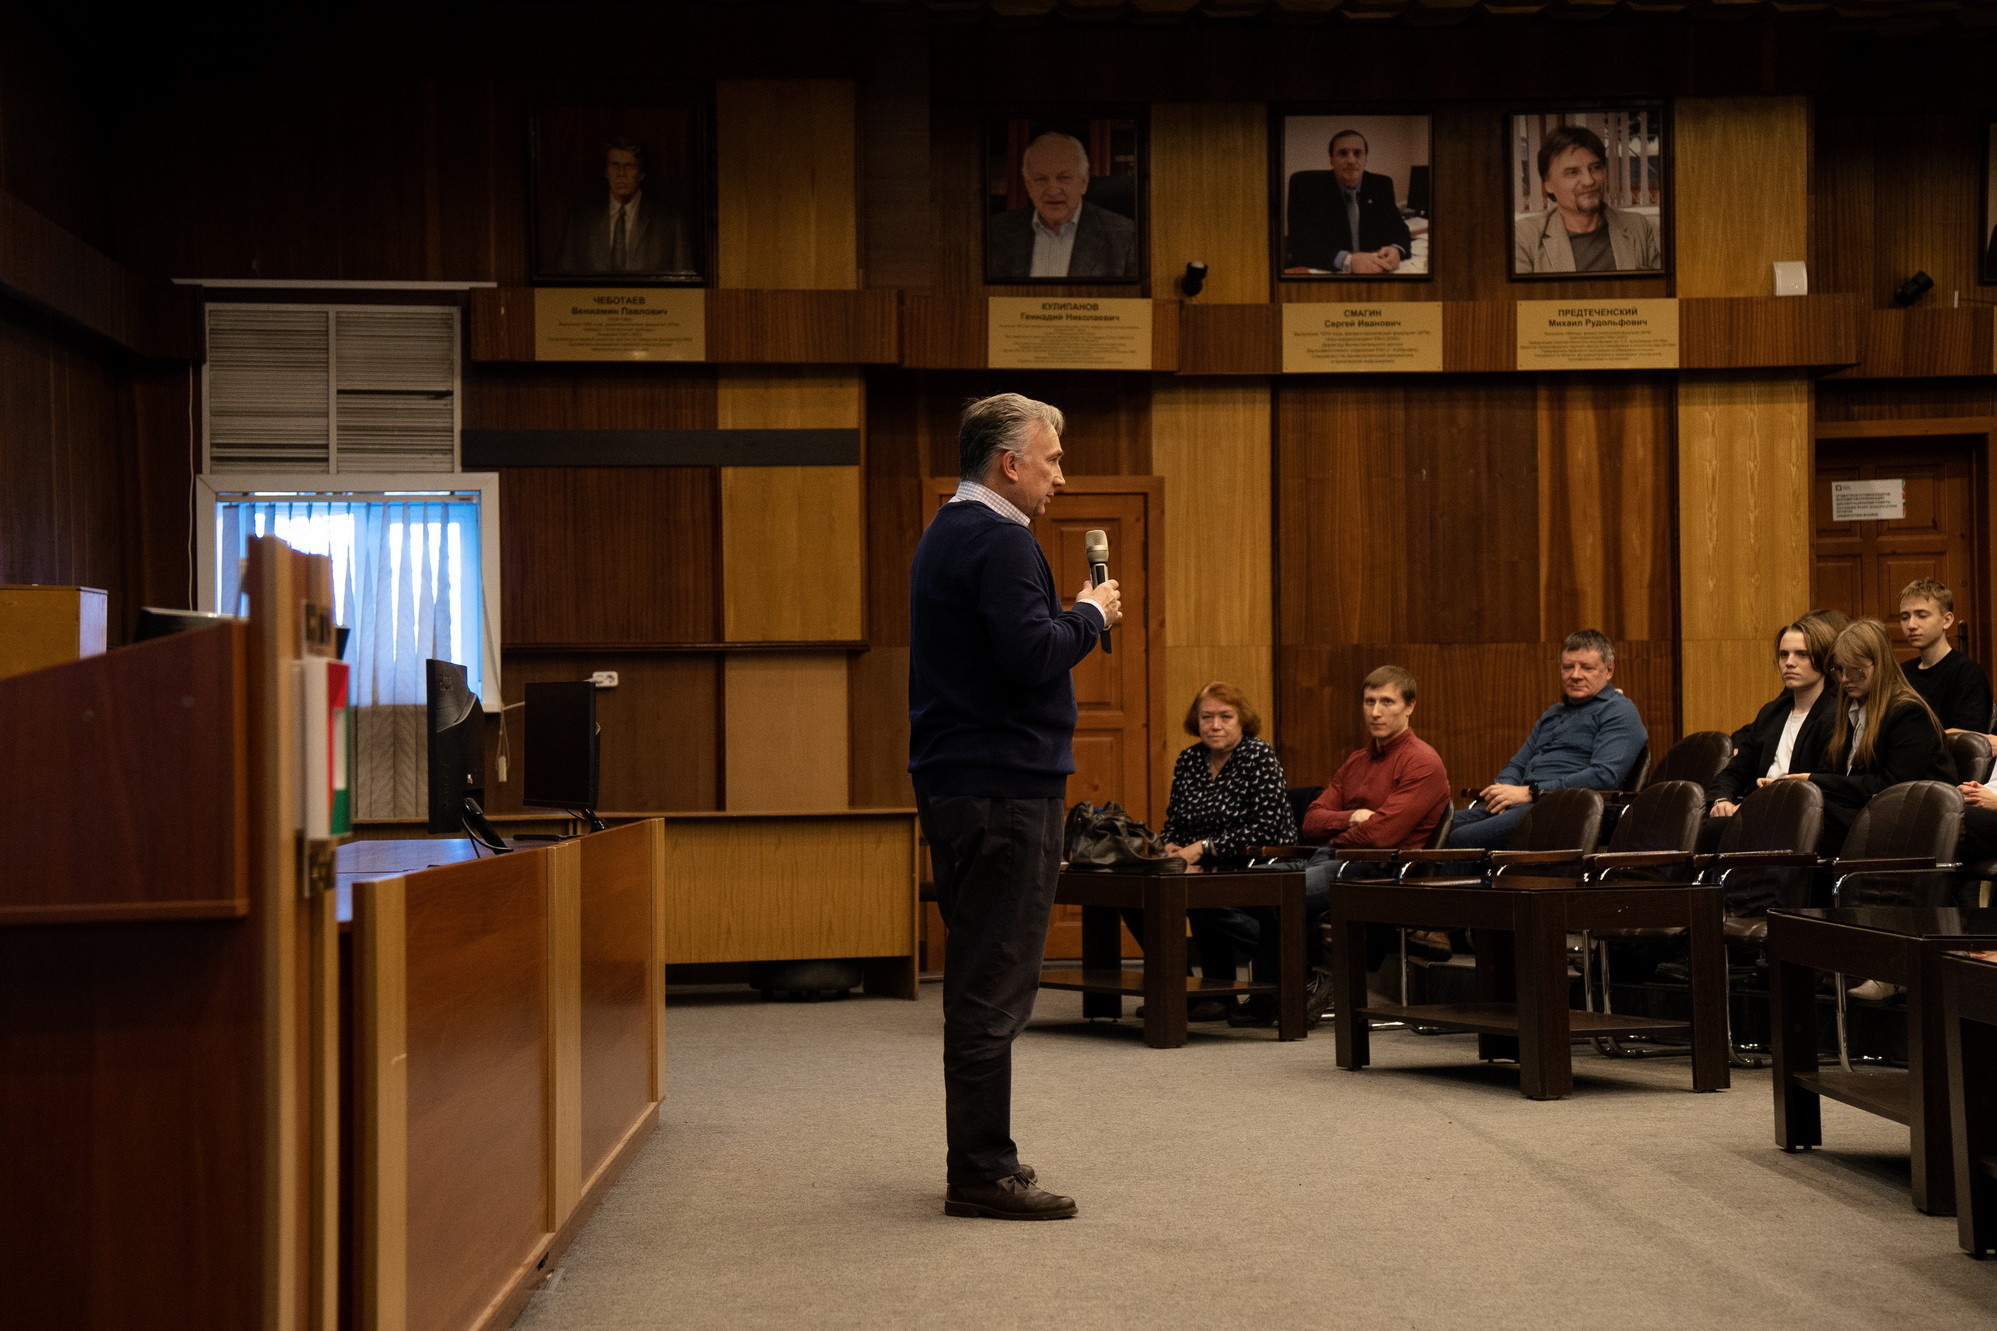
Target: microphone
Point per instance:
(1095, 548)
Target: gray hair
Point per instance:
(1069, 139)
(1590, 640)
(1002, 423)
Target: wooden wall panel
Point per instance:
(792, 553)
(1744, 466)
(785, 183)
(1605, 506)
(1928, 204)
(897, 445)
(877, 720)
(1842, 220)
(558, 396)
(1952, 399)
(608, 556)
(67, 499)
(785, 722)
(773, 889)
(1211, 442)
(1209, 197)
(1741, 174)
(1408, 510)
(661, 741)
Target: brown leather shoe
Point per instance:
(1013, 1197)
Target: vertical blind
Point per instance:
(406, 579)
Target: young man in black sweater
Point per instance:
(1950, 682)
(991, 729)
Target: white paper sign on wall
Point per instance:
(1862, 501)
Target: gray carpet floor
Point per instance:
(796, 1181)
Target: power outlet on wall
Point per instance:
(604, 679)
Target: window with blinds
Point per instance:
(323, 389)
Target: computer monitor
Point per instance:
(562, 749)
(1418, 187)
(155, 622)
(457, 754)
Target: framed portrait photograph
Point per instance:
(1986, 241)
(1354, 195)
(1587, 192)
(1064, 197)
(621, 194)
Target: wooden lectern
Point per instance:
(168, 1056)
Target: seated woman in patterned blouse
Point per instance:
(1227, 795)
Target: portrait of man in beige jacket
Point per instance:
(1580, 233)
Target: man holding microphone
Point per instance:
(991, 726)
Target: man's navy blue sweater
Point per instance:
(991, 708)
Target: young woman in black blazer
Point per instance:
(1883, 735)
(1801, 716)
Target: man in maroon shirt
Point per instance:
(1392, 792)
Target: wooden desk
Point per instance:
(506, 1018)
(796, 887)
(1521, 927)
(1969, 1012)
(1163, 983)
(1902, 945)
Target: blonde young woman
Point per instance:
(1883, 735)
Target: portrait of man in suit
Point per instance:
(622, 229)
(620, 192)
(1059, 233)
(1582, 219)
(1346, 219)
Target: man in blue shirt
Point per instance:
(1590, 739)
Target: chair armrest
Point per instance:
(1443, 856)
(1617, 798)
(1769, 859)
(1636, 859)
(1923, 868)
(1469, 792)
(1367, 854)
(1899, 863)
(1536, 856)
(1280, 851)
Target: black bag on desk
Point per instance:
(1105, 837)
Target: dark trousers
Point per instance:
(996, 861)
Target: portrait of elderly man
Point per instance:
(1059, 233)
(1345, 220)
(1579, 232)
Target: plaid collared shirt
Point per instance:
(970, 492)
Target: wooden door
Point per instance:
(1118, 739)
(1860, 567)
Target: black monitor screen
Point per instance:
(157, 623)
(457, 744)
(561, 746)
